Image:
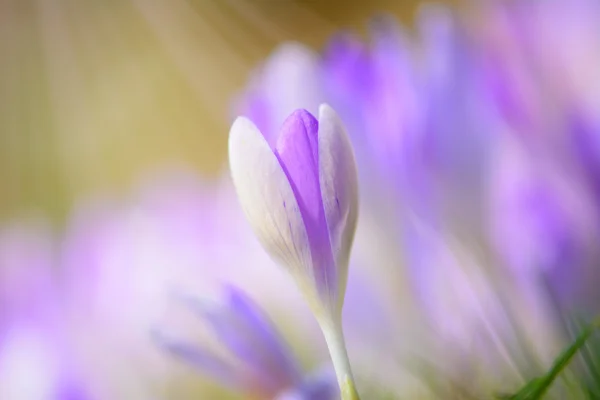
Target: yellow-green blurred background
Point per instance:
(96, 94)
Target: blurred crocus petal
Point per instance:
(375, 90)
(200, 358)
(540, 221)
(260, 345)
(320, 385)
(301, 198)
(585, 141)
(257, 359)
(451, 289)
(37, 360)
(33, 365)
(457, 122)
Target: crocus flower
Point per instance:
(258, 362)
(301, 198)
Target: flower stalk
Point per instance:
(334, 337)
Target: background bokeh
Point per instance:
(94, 95)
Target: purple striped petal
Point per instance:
(298, 152)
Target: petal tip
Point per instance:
(327, 113)
(241, 125)
(303, 117)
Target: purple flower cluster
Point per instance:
(473, 143)
(475, 147)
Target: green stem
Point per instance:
(334, 337)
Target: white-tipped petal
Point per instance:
(339, 188)
(269, 203)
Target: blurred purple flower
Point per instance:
(413, 111)
(376, 91)
(37, 359)
(540, 66)
(176, 231)
(258, 362)
(542, 223)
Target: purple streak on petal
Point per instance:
(298, 153)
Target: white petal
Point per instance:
(269, 202)
(339, 189)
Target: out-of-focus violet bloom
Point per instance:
(176, 232)
(413, 111)
(585, 143)
(541, 60)
(376, 90)
(257, 362)
(542, 222)
(37, 360)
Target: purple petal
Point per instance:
(321, 385)
(199, 358)
(374, 90)
(536, 234)
(278, 359)
(543, 223)
(251, 337)
(586, 142)
(347, 68)
(298, 153)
